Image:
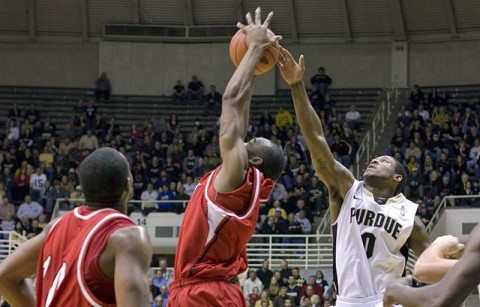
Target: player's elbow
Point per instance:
(424, 274)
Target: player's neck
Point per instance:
(99, 206)
(379, 192)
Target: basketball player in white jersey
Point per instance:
(460, 277)
(373, 223)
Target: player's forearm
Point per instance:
(236, 99)
(17, 293)
(308, 120)
(431, 266)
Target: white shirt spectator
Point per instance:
(352, 116)
(149, 198)
(189, 188)
(474, 153)
(304, 222)
(37, 182)
(424, 114)
(31, 209)
(249, 284)
(13, 133)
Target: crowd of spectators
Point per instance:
(439, 144)
(212, 101)
(281, 287)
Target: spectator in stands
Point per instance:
(254, 296)
(304, 222)
(294, 147)
(13, 133)
(285, 271)
(158, 301)
(34, 229)
(416, 97)
(7, 224)
(293, 290)
(33, 116)
(29, 208)
(90, 114)
(321, 281)
(157, 282)
(320, 83)
(22, 184)
(190, 164)
(424, 214)
(6, 208)
(77, 194)
(283, 118)
(213, 101)
(415, 184)
(264, 300)
(343, 150)
(273, 287)
(88, 141)
(181, 196)
(165, 195)
(14, 113)
(281, 298)
(149, 197)
(55, 193)
(299, 280)
(37, 184)
(440, 116)
(189, 186)
(103, 87)
(251, 282)
(353, 117)
(266, 119)
(470, 119)
(445, 188)
(178, 94)
(195, 90)
(66, 184)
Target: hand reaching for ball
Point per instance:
(256, 32)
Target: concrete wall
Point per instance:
(456, 222)
(444, 63)
(349, 65)
(39, 64)
(152, 69)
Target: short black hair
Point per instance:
(103, 175)
(273, 161)
(400, 170)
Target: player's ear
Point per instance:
(398, 177)
(255, 161)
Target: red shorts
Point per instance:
(205, 292)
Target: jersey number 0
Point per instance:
(368, 240)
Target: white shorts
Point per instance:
(371, 301)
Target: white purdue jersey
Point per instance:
(369, 245)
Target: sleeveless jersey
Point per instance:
(69, 252)
(369, 242)
(212, 240)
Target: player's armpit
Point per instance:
(20, 265)
(132, 252)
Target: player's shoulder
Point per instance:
(130, 239)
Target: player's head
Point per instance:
(386, 172)
(106, 179)
(265, 156)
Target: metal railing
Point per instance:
(380, 118)
(9, 241)
(379, 121)
(306, 251)
(324, 224)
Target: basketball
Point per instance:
(238, 48)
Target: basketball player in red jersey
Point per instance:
(223, 211)
(92, 256)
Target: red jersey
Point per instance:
(212, 241)
(68, 273)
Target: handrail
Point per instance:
(9, 241)
(314, 251)
(324, 224)
(379, 121)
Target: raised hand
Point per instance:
(292, 72)
(257, 32)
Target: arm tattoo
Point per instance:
(322, 165)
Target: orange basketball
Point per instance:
(238, 48)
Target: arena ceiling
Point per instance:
(304, 21)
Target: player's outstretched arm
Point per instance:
(236, 105)
(132, 252)
(20, 265)
(437, 259)
(452, 290)
(337, 178)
